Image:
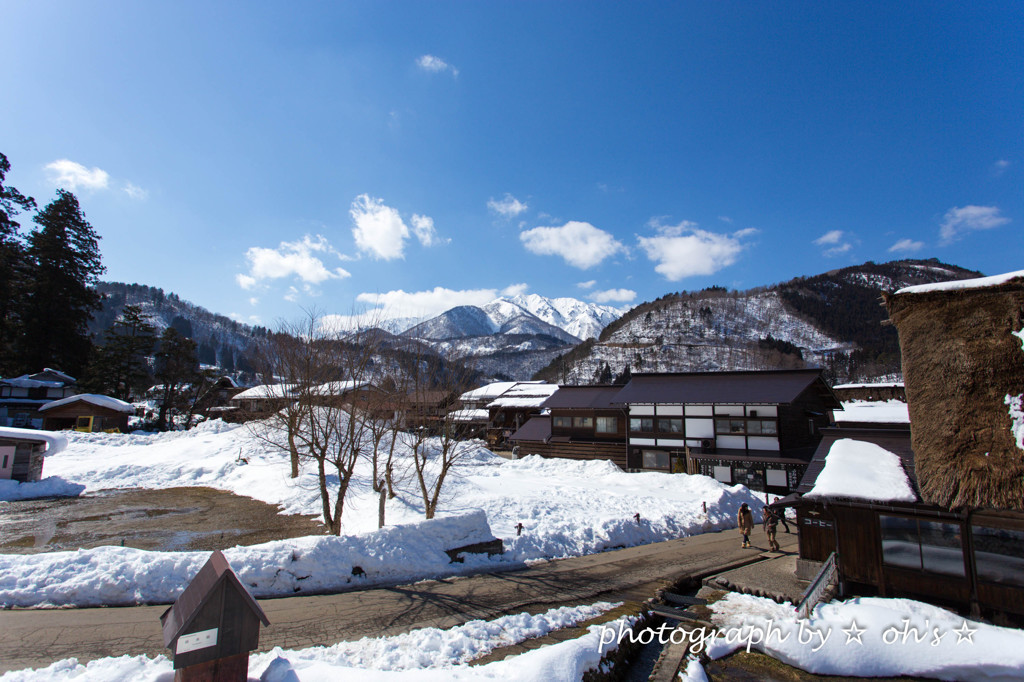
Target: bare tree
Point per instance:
(437, 451)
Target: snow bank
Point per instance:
(870, 637)
(51, 486)
(860, 470)
(123, 575)
(427, 654)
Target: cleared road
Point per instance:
(34, 638)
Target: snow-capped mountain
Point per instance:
(566, 319)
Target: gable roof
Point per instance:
(535, 429)
(187, 606)
(750, 388)
(104, 401)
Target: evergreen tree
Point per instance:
(176, 368)
(119, 367)
(63, 258)
(12, 266)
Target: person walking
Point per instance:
(745, 521)
(771, 525)
(782, 516)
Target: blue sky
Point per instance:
(264, 158)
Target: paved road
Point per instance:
(35, 638)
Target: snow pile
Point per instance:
(874, 411)
(51, 486)
(861, 470)
(428, 654)
(1015, 403)
(870, 637)
(123, 575)
(54, 442)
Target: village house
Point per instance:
(22, 452)
(21, 397)
(935, 511)
(513, 408)
(258, 402)
(758, 428)
(583, 423)
(87, 412)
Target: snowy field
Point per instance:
(420, 655)
(567, 508)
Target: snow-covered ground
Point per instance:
(870, 637)
(567, 508)
(426, 654)
(873, 411)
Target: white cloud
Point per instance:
(613, 296)
(254, 301)
(135, 192)
(291, 259)
(725, 219)
(837, 240)
(589, 284)
(1000, 167)
(832, 237)
(906, 246)
(429, 62)
(399, 303)
(509, 207)
(423, 227)
(379, 229)
(515, 289)
(70, 175)
(683, 250)
(959, 220)
(581, 244)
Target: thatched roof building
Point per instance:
(963, 364)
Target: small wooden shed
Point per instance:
(86, 412)
(213, 625)
(22, 452)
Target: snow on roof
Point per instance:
(337, 387)
(977, 283)
(489, 391)
(465, 416)
(25, 382)
(525, 395)
(266, 391)
(57, 374)
(857, 469)
(890, 384)
(93, 399)
(874, 411)
(54, 442)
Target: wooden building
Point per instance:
(22, 452)
(755, 428)
(513, 408)
(87, 412)
(582, 423)
(959, 540)
(21, 397)
(259, 401)
(871, 392)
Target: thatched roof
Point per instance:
(962, 360)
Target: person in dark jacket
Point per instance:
(782, 516)
(771, 525)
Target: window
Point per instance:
(583, 422)
(926, 545)
(670, 425)
(607, 424)
(752, 427)
(4, 465)
(561, 422)
(645, 424)
(999, 555)
(655, 459)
